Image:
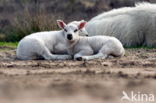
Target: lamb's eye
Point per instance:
(75, 30)
(65, 30)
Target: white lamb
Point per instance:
(88, 48)
(133, 26)
(47, 45)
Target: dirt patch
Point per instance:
(96, 81)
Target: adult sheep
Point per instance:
(133, 26)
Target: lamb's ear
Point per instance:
(61, 24)
(82, 24)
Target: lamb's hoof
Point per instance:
(79, 58)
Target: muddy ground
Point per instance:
(98, 81)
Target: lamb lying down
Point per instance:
(88, 48)
(49, 45)
(100, 46)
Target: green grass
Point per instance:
(140, 47)
(8, 44)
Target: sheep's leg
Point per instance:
(48, 56)
(96, 56)
(63, 57)
(82, 53)
(103, 53)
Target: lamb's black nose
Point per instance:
(69, 37)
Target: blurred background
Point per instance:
(22, 17)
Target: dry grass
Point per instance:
(30, 23)
(22, 17)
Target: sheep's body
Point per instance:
(42, 44)
(133, 26)
(88, 48)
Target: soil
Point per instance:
(97, 81)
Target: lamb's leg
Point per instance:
(96, 56)
(102, 54)
(82, 53)
(63, 57)
(48, 56)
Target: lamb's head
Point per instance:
(72, 30)
(83, 31)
